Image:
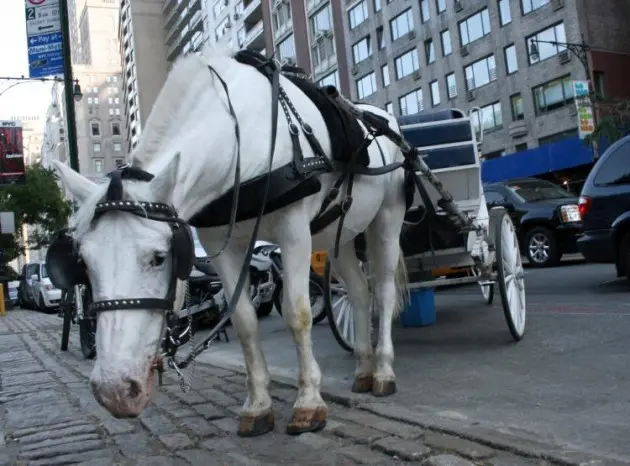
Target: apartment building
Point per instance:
(143, 59)
(425, 55)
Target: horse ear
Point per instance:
(163, 184)
(78, 185)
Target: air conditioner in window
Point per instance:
(411, 35)
(564, 57)
(354, 70)
(557, 4)
(463, 51)
(458, 5)
(470, 95)
(416, 75)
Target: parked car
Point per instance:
(35, 290)
(545, 215)
(605, 209)
(13, 291)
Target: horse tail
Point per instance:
(401, 281)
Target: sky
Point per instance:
(30, 98)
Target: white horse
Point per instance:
(189, 145)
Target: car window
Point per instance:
(494, 197)
(44, 271)
(32, 270)
(537, 190)
(616, 168)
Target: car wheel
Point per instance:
(541, 248)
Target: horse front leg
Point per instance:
(309, 410)
(256, 417)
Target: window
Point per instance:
(511, 62)
(553, 34)
(96, 128)
(90, 101)
(282, 16)
(361, 50)
(111, 112)
(490, 116)
(96, 147)
(380, 38)
(429, 49)
(116, 129)
(520, 147)
(411, 103)
(532, 5)
(425, 14)
(480, 73)
(435, 93)
(119, 162)
(616, 168)
(377, 5)
(357, 14)
(401, 24)
(286, 49)
(494, 197)
(447, 46)
(553, 95)
(330, 80)
(385, 74)
(95, 100)
(98, 165)
(117, 147)
(474, 27)
(389, 108)
(600, 81)
(505, 14)
(451, 86)
(516, 102)
(110, 100)
(407, 63)
(440, 5)
(218, 7)
(321, 21)
(366, 86)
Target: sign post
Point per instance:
(586, 119)
(43, 37)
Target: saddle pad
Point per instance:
(346, 135)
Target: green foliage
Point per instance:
(613, 120)
(40, 202)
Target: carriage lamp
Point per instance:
(570, 213)
(76, 91)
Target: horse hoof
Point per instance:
(307, 420)
(362, 384)
(253, 426)
(383, 387)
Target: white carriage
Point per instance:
(441, 234)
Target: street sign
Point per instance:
(586, 119)
(43, 36)
(12, 170)
(7, 222)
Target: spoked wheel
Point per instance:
(486, 290)
(67, 306)
(87, 325)
(510, 275)
(338, 309)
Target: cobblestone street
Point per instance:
(48, 416)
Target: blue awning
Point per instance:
(551, 157)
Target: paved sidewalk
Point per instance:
(48, 416)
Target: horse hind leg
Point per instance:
(256, 416)
(347, 266)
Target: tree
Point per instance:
(613, 120)
(39, 202)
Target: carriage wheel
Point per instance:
(338, 309)
(510, 276)
(486, 290)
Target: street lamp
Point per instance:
(76, 91)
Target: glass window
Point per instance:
(440, 5)
(321, 21)
(490, 116)
(330, 80)
(96, 129)
(380, 37)
(435, 93)
(429, 49)
(366, 86)
(516, 101)
(553, 95)
(532, 5)
(119, 162)
(494, 197)
(411, 103)
(357, 14)
(511, 62)
(286, 49)
(389, 108)
(474, 27)
(451, 86)
(362, 50)
(505, 14)
(447, 46)
(117, 147)
(616, 168)
(116, 129)
(401, 24)
(98, 165)
(385, 74)
(553, 34)
(480, 73)
(406, 63)
(377, 5)
(96, 146)
(425, 14)
(537, 190)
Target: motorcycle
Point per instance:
(316, 283)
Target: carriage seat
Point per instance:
(205, 267)
(430, 117)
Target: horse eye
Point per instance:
(158, 259)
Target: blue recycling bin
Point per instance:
(420, 311)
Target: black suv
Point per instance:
(546, 217)
(605, 209)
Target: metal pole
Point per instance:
(68, 82)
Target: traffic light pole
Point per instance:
(68, 81)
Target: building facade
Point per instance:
(411, 57)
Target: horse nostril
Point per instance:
(134, 388)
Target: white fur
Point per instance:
(191, 118)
